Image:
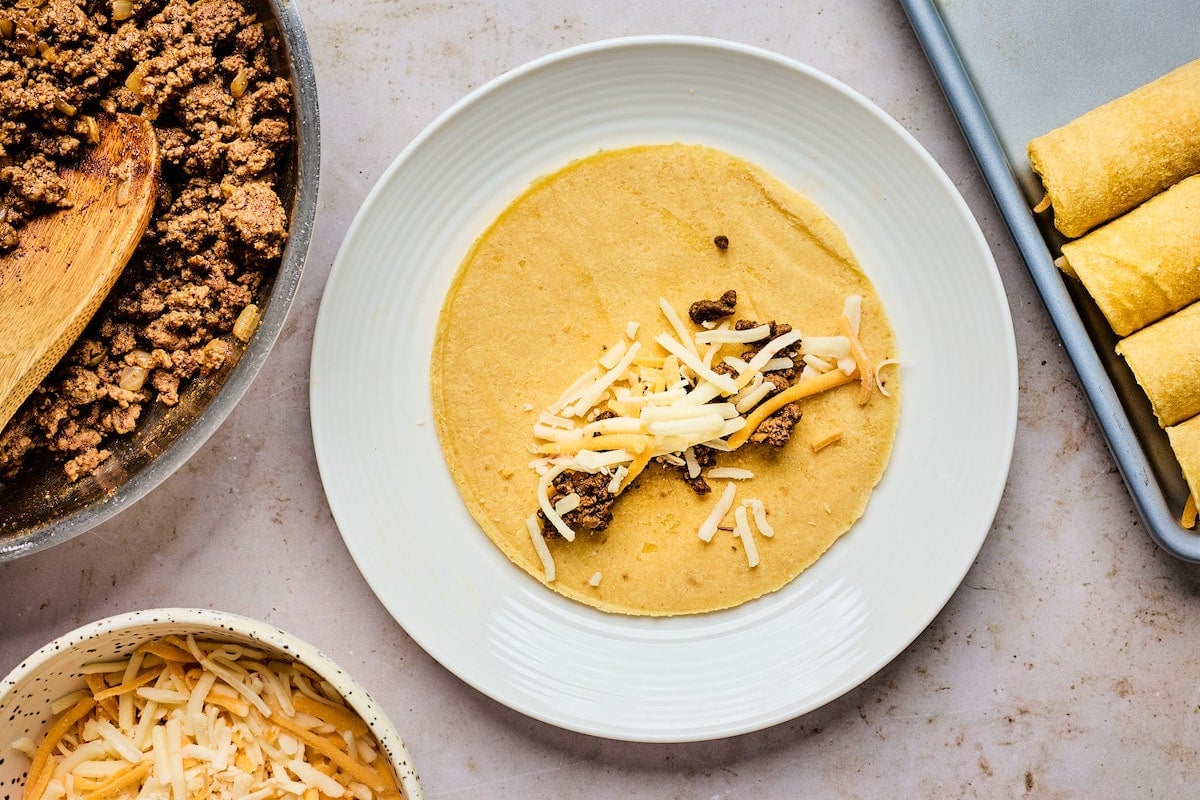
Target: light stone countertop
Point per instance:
(1064, 666)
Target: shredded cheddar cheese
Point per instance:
(821, 442)
(866, 373)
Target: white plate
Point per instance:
(693, 677)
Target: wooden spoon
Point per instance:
(67, 261)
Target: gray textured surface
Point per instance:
(1064, 666)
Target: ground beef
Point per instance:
(595, 502)
(782, 377)
(705, 457)
(703, 311)
(202, 72)
(776, 429)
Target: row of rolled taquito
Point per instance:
(1123, 181)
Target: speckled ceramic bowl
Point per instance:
(53, 671)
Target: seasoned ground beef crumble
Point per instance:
(201, 72)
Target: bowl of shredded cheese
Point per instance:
(190, 703)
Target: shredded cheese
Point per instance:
(635, 468)
(742, 528)
(708, 528)
(865, 370)
(618, 478)
(613, 355)
(831, 347)
(852, 311)
(595, 579)
(765, 354)
(590, 394)
(677, 325)
(567, 503)
(200, 747)
(724, 335)
(539, 545)
(817, 363)
(754, 397)
(879, 384)
(760, 516)
(594, 461)
(822, 442)
(723, 382)
(543, 492)
(797, 391)
(633, 408)
(572, 392)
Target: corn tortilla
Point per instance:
(1165, 359)
(1122, 153)
(1185, 441)
(557, 278)
(1143, 265)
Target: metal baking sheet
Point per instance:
(1012, 71)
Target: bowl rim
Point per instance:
(298, 59)
(225, 624)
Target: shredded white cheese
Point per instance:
(887, 362)
(543, 492)
(817, 363)
(852, 311)
(724, 335)
(567, 503)
(572, 392)
(760, 516)
(539, 544)
(613, 356)
(742, 528)
(830, 347)
(768, 352)
(693, 362)
(595, 579)
(590, 394)
(618, 477)
(677, 325)
(754, 397)
(708, 528)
